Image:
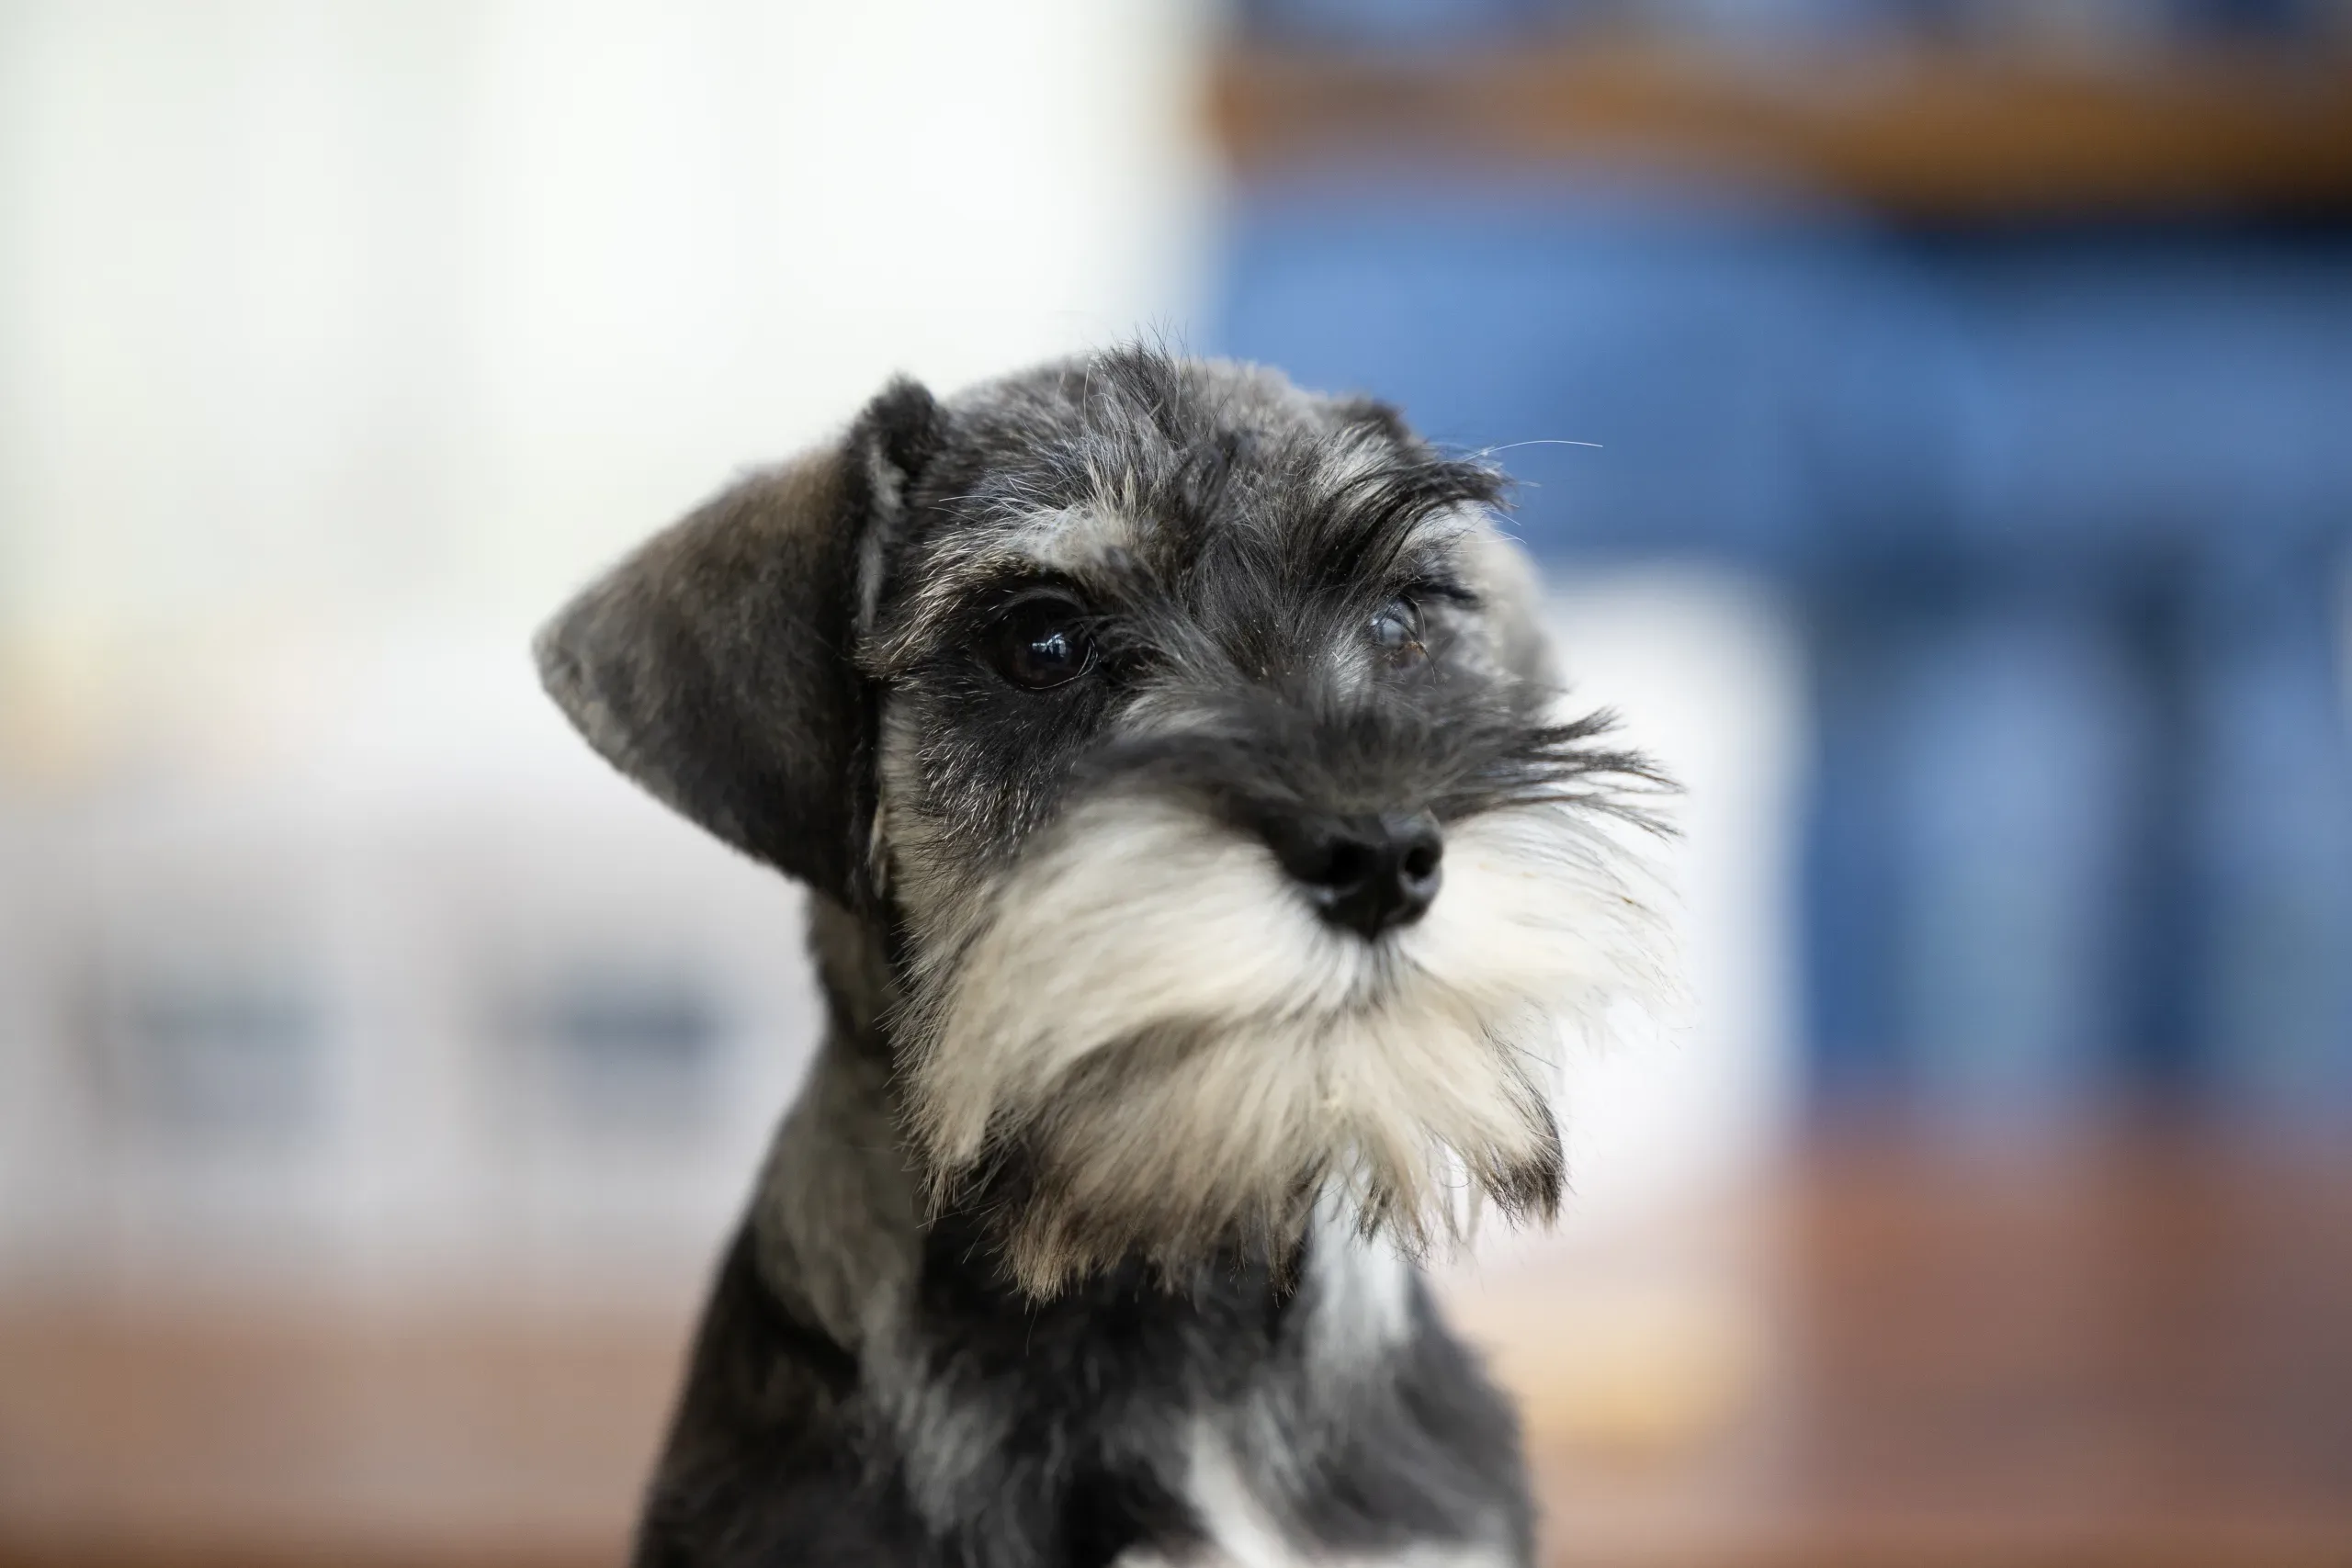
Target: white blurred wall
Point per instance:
(337, 343)
(324, 317)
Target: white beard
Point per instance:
(1188, 1057)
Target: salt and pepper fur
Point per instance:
(1092, 1237)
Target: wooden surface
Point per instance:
(1944, 134)
(2134, 1348)
(2130, 1349)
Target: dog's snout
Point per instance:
(1367, 874)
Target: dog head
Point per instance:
(1190, 741)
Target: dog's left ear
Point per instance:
(714, 665)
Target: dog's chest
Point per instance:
(1339, 1429)
(1242, 1532)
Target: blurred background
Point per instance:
(1934, 418)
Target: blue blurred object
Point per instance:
(2247, 18)
(1701, 346)
(2268, 787)
(1389, 22)
(1752, 23)
(2065, 514)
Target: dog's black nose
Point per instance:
(1368, 874)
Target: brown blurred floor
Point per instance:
(2129, 1350)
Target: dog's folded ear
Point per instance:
(714, 665)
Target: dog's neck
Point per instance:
(836, 1221)
(853, 967)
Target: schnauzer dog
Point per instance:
(1202, 882)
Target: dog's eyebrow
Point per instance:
(1083, 542)
(1071, 538)
(1380, 507)
(1387, 549)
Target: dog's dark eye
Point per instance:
(1039, 643)
(1397, 632)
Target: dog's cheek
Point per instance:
(1544, 907)
(1511, 625)
(968, 773)
(941, 819)
(915, 859)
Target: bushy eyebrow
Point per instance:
(1086, 549)
(1375, 523)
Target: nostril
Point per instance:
(1348, 864)
(1420, 862)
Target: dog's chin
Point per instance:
(1150, 1049)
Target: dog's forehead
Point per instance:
(1140, 467)
(1150, 457)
